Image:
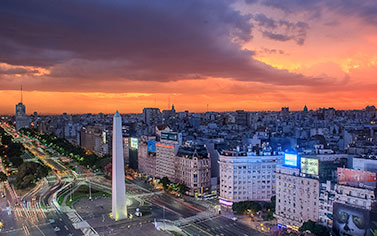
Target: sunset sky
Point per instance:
(79, 56)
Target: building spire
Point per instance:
(21, 93)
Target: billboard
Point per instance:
(309, 166)
(357, 178)
(151, 146)
(134, 143)
(349, 220)
(291, 160)
(169, 136)
(224, 202)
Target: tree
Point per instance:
(3, 177)
(108, 169)
(182, 188)
(314, 228)
(165, 182)
(28, 173)
(16, 161)
(241, 207)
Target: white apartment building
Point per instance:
(297, 197)
(245, 177)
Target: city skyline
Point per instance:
(264, 55)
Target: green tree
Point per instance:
(3, 177)
(314, 228)
(241, 207)
(182, 188)
(29, 173)
(165, 182)
(16, 161)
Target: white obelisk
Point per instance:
(119, 207)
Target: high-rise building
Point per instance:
(119, 207)
(166, 149)
(245, 177)
(354, 205)
(151, 116)
(242, 117)
(297, 192)
(93, 139)
(22, 120)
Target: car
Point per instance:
(56, 229)
(234, 218)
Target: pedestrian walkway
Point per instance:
(200, 216)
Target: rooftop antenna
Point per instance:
(169, 103)
(207, 107)
(21, 93)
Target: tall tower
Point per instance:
(119, 207)
(22, 120)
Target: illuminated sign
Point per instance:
(357, 178)
(169, 136)
(291, 160)
(226, 203)
(164, 145)
(309, 166)
(151, 146)
(134, 143)
(104, 137)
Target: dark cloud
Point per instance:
(282, 30)
(13, 71)
(89, 41)
(271, 51)
(365, 9)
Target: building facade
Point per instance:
(165, 158)
(193, 168)
(297, 197)
(22, 120)
(245, 177)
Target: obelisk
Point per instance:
(119, 207)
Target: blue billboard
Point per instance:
(291, 160)
(151, 146)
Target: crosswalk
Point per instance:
(77, 221)
(200, 216)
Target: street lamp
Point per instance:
(70, 195)
(90, 191)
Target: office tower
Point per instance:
(22, 120)
(151, 116)
(165, 154)
(242, 117)
(119, 207)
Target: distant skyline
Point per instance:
(79, 100)
(92, 56)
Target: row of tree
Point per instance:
(10, 151)
(169, 186)
(266, 209)
(29, 173)
(65, 148)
